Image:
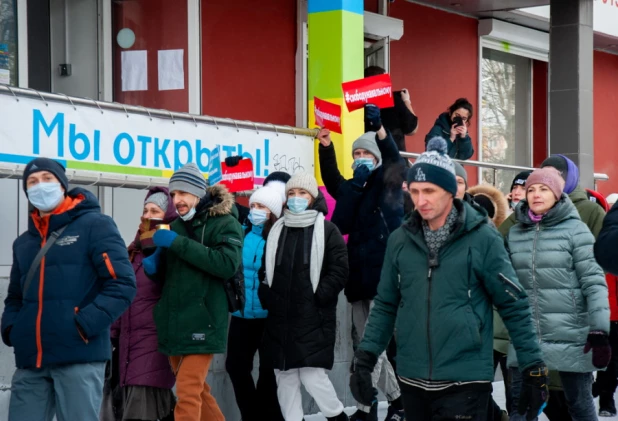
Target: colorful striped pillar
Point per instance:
(336, 55)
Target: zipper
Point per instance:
(536, 297)
(109, 265)
(39, 316)
(429, 324)
(510, 283)
(78, 331)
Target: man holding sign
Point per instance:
(369, 207)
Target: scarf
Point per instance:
(436, 239)
(534, 217)
(143, 239)
(300, 220)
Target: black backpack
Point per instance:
(234, 286)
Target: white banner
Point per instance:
(86, 138)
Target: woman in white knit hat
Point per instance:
(247, 327)
(306, 267)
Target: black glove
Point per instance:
(361, 385)
(534, 392)
(598, 342)
(372, 118)
(361, 174)
(232, 161)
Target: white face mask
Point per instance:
(45, 196)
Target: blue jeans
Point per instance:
(577, 390)
(71, 392)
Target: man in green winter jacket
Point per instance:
(202, 249)
(444, 270)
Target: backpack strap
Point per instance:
(39, 257)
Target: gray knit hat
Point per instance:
(461, 172)
(434, 166)
(189, 179)
(159, 199)
(303, 180)
(269, 197)
(368, 142)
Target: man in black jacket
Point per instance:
(369, 207)
(607, 242)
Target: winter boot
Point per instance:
(607, 407)
(341, 417)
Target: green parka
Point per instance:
(192, 314)
(555, 263)
(443, 313)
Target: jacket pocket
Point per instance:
(511, 288)
(473, 327)
(77, 327)
(110, 267)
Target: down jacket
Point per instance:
(443, 314)
(301, 326)
(367, 215)
(85, 279)
(252, 254)
(555, 264)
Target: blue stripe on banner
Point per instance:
(354, 6)
(21, 159)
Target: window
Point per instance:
(8, 42)
(506, 114)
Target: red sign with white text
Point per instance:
(239, 177)
(327, 114)
(376, 90)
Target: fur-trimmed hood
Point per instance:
(495, 196)
(217, 202)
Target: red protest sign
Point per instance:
(327, 114)
(375, 90)
(239, 177)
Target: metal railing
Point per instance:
(495, 167)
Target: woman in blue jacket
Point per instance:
(452, 126)
(256, 402)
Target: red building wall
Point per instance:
(605, 131)
(437, 60)
(248, 60)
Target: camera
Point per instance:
(458, 121)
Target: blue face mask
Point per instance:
(45, 196)
(258, 216)
(297, 204)
(189, 215)
(368, 162)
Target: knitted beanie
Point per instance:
(548, 176)
(303, 180)
(567, 168)
(158, 199)
(368, 142)
(268, 197)
(49, 165)
(434, 166)
(189, 179)
(461, 172)
(520, 179)
(277, 181)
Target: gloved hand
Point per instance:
(232, 161)
(361, 175)
(164, 238)
(598, 342)
(372, 118)
(151, 262)
(361, 385)
(534, 392)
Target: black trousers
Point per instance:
(255, 401)
(494, 412)
(467, 402)
(607, 380)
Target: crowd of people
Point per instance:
(446, 282)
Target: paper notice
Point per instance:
(134, 70)
(171, 70)
(5, 76)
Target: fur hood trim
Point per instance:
(223, 200)
(496, 197)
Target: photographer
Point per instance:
(452, 126)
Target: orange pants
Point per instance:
(195, 403)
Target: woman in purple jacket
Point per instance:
(141, 384)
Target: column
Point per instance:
(336, 55)
(570, 84)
